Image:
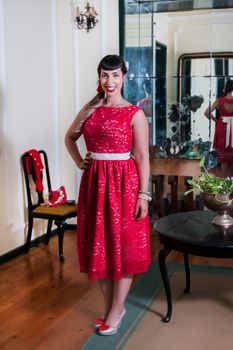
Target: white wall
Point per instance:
(90, 47)
(47, 71)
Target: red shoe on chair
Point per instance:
(56, 197)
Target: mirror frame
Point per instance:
(196, 55)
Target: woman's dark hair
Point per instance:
(112, 62)
(109, 62)
(228, 87)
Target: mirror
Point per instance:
(178, 62)
(202, 78)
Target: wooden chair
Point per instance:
(57, 215)
(169, 196)
(169, 179)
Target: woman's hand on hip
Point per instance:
(141, 209)
(86, 162)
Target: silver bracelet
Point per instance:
(144, 196)
(143, 192)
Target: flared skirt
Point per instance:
(112, 243)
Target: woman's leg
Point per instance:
(120, 292)
(106, 287)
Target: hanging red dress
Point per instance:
(219, 142)
(111, 242)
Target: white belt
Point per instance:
(229, 131)
(110, 156)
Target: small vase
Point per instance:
(223, 204)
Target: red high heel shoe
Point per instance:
(105, 329)
(56, 197)
(99, 322)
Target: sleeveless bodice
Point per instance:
(226, 106)
(109, 130)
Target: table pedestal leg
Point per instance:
(163, 270)
(187, 273)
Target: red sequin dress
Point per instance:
(219, 142)
(111, 242)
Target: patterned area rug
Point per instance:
(202, 319)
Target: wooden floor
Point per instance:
(47, 305)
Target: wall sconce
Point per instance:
(86, 20)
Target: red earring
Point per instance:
(99, 88)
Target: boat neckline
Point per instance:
(104, 106)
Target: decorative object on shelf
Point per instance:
(196, 148)
(86, 20)
(173, 149)
(217, 195)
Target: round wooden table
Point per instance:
(191, 233)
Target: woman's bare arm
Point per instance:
(209, 111)
(71, 137)
(141, 154)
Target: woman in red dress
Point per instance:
(223, 136)
(113, 225)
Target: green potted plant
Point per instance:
(217, 194)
